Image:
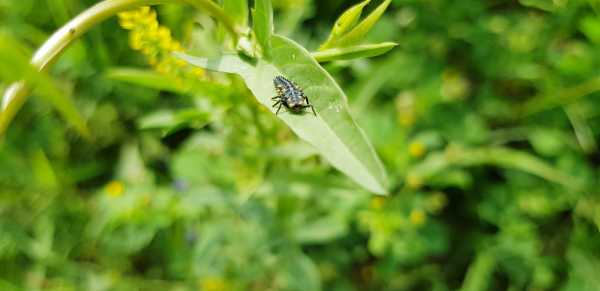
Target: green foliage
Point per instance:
(15, 67)
(345, 23)
(334, 132)
(237, 10)
(343, 40)
(262, 20)
(357, 33)
(353, 52)
(484, 114)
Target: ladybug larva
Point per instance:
(290, 96)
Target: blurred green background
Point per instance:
(486, 117)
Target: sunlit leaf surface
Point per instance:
(333, 131)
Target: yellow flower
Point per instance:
(377, 202)
(416, 149)
(155, 42)
(213, 284)
(414, 181)
(417, 217)
(115, 189)
(199, 73)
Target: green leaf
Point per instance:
(344, 23)
(299, 273)
(45, 175)
(439, 163)
(583, 270)
(131, 168)
(148, 79)
(170, 121)
(237, 10)
(595, 5)
(321, 230)
(333, 132)
(359, 32)
(262, 17)
(16, 67)
(510, 159)
(479, 272)
(546, 5)
(564, 96)
(169, 83)
(590, 27)
(353, 52)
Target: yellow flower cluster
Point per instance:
(155, 42)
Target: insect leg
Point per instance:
(278, 108)
(275, 97)
(309, 105)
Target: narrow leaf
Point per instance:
(41, 168)
(510, 159)
(147, 78)
(545, 5)
(169, 83)
(169, 121)
(479, 272)
(353, 52)
(237, 10)
(564, 96)
(344, 23)
(359, 32)
(439, 163)
(333, 131)
(262, 17)
(16, 67)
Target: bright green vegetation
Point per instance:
(455, 145)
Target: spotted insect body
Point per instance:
(290, 96)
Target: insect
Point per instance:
(290, 96)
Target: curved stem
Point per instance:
(16, 95)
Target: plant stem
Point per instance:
(560, 98)
(16, 95)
